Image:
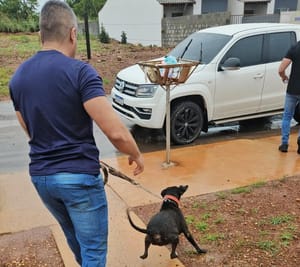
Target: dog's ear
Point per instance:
(163, 192)
(169, 190)
(183, 188)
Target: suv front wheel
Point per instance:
(186, 122)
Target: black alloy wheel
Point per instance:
(186, 122)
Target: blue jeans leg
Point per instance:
(78, 202)
(289, 110)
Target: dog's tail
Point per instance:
(144, 231)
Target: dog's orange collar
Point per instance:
(175, 199)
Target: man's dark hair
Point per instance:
(56, 21)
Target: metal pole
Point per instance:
(87, 35)
(168, 124)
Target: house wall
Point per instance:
(237, 7)
(139, 19)
(176, 29)
(290, 17)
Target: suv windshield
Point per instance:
(200, 46)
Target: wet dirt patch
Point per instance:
(32, 248)
(256, 225)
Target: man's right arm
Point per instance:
(283, 66)
(22, 123)
(101, 111)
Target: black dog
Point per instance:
(166, 226)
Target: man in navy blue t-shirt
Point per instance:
(292, 97)
(56, 99)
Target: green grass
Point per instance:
(219, 220)
(222, 195)
(268, 245)
(240, 190)
(19, 47)
(212, 237)
(201, 226)
(81, 44)
(258, 184)
(206, 216)
(283, 237)
(5, 74)
(189, 219)
(248, 189)
(281, 219)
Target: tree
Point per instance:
(92, 7)
(19, 9)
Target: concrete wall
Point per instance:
(93, 28)
(176, 29)
(290, 17)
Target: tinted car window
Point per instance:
(248, 50)
(277, 45)
(201, 47)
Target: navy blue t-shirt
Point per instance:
(49, 90)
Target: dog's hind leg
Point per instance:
(147, 245)
(173, 254)
(190, 238)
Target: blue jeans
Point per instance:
(289, 110)
(78, 202)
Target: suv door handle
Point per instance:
(258, 76)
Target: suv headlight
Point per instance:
(146, 90)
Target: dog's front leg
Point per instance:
(190, 238)
(147, 245)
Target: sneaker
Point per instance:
(298, 143)
(284, 147)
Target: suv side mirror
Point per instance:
(232, 63)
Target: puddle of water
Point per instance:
(154, 139)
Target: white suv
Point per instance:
(237, 79)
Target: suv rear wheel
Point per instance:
(186, 122)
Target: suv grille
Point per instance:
(125, 87)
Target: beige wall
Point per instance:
(139, 19)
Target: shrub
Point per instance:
(104, 37)
(123, 38)
(12, 25)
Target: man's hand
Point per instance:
(283, 66)
(139, 164)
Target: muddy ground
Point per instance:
(252, 226)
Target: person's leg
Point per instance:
(289, 109)
(298, 140)
(85, 200)
(90, 219)
(59, 211)
(78, 201)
